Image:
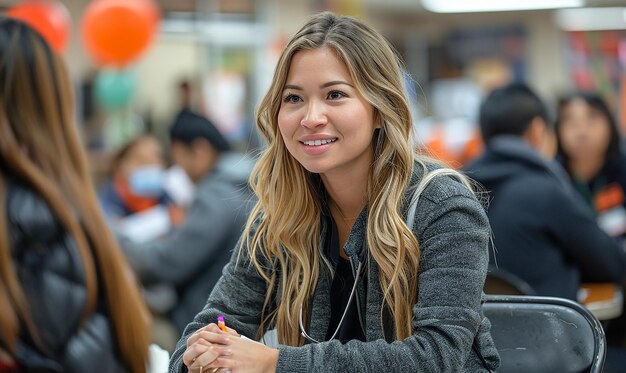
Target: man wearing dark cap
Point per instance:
(191, 257)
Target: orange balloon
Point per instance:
(50, 18)
(116, 32)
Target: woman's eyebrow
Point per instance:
(335, 82)
(291, 86)
(325, 85)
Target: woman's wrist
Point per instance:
(272, 360)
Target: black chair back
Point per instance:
(544, 334)
(499, 281)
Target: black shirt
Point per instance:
(341, 287)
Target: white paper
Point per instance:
(158, 359)
(146, 225)
(178, 186)
(613, 221)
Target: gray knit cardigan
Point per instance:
(453, 232)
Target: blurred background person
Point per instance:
(191, 256)
(590, 152)
(139, 208)
(137, 179)
(68, 300)
(185, 93)
(543, 232)
(137, 200)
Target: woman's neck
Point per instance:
(585, 169)
(347, 192)
(347, 197)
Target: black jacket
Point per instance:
(543, 232)
(50, 272)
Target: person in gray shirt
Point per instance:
(334, 257)
(191, 256)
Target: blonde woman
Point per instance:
(328, 257)
(67, 300)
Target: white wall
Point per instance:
(547, 65)
(170, 59)
(77, 60)
(286, 16)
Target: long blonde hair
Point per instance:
(283, 231)
(40, 145)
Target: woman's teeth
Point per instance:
(318, 142)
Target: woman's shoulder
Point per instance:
(439, 191)
(438, 182)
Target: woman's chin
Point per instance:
(314, 167)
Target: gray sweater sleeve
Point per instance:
(454, 234)
(238, 295)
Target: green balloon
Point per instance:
(114, 88)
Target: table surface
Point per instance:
(604, 300)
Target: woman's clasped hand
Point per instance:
(211, 350)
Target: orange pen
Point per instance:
(221, 324)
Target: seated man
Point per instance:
(192, 255)
(542, 231)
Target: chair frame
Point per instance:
(599, 340)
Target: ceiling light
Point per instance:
(590, 19)
(467, 6)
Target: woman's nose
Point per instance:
(314, 116)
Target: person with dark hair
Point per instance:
(196, 144)
(190, 257)
(589, 150)
(513, 110)
(543, 232)
(67, 302)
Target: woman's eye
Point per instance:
(292, 99)
(335, 95)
